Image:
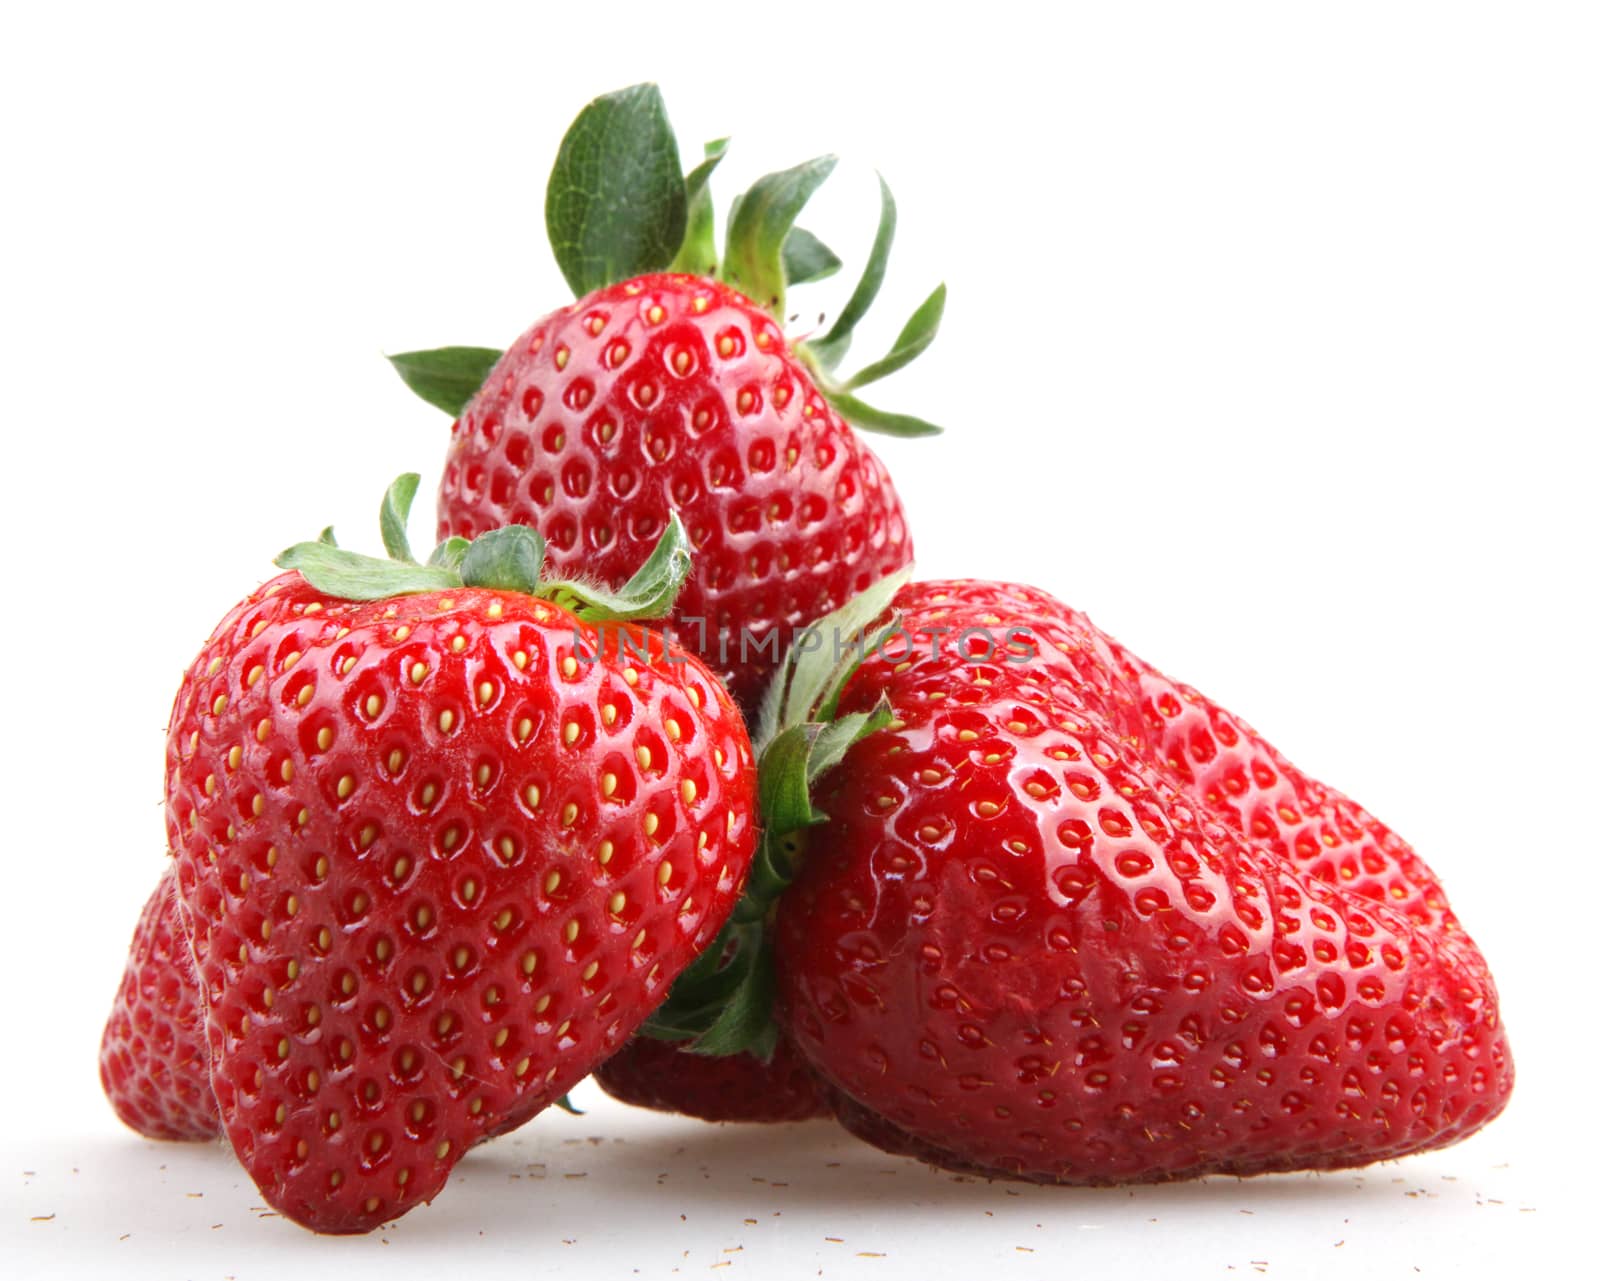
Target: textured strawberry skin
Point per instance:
(1062, 926)
(737, 1087)
(434, 868)
(668, 393)
(153, 1062)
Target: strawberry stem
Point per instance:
(698, 254)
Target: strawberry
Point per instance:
(669, 386)
(737, 1087)
(1067, 921)
(153, 1063)
(611, 413)
(444, 835)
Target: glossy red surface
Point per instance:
(1071, 922)
(153, 1062)
(736, 1087)
(676, 393)
(434, 869)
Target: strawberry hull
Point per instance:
(1056, 929)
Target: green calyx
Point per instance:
(722, 1004)
(619, 205)
(509, 559)
(446, 377)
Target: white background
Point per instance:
(1271, 343)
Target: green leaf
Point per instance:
(650, 593)
(656, 582)
(326, 536)
(805, 258)
(920, 330)
(839, 736)
(784, 780)
(446, 377)
(744, 1024)
(790, 765)
(394, 514)
(352, 576)
(698, 254)
(450, 552)
(822, 658)
(565, 1104)
(703, 974)
(760, 224)
(508, 560)
(703, 987)
(831, 347)
(616, 206)
(860, 414)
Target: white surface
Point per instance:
(619, 1192)
(1271, 343)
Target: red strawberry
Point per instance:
(153, 1063)
(1062, 924)
(434, 862)
(737, 1087)
(675, 393)
(656, 393)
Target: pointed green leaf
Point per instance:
(565, 1104)
(698, 254)
(805, 258)
(450, 552)
(352, 576)
(446, 377)
(665, 569)
(508, 560)
(860, 414)
(326, 536)
(920, 330)
(784, 780)
(760, 223)
(834, 644)
(831, 347)
(616, 206)
(689, 1010)
(650, 593)
(791, 763)
(705, 986)
(839, 736)
(826, 707)
(744, 1025)
(394, 514)
(703, 970)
